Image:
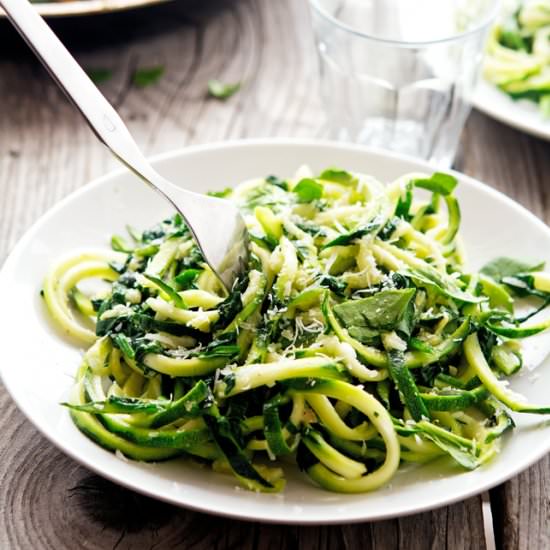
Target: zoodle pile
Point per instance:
(355, 341)
(518, 53)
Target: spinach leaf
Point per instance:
(404, 203)
(338, 286)
(172, 294)
(502, 267)
(186, 279)
(308, 190)
(387, 310)
(222, 91)
(444, 184)
(337, 175)
(224, 345)
(311, 229)
(147, 76)
(277, 182)
(387, 231)
(348, 238)
(233, 304)
(447, 288)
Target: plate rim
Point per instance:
(494, 111)
(217, 509)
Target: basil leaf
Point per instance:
(308, 190)
(444, 184)
(434, 280)
(186, 279)
(337, 175)
(386, 310)
(348, 238)
(502, 267)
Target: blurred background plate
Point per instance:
(521, 114)
(69, 8)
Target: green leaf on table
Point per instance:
(308, 190)
(444, 184)
(220, 90)
(147, 76)
(98, 76)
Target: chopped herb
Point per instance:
(98, 76)
(220, 194)
(147, 76)
(222, 91)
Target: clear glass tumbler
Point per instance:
(399, 74)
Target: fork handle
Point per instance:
(98, 112)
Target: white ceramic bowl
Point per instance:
(37, 365)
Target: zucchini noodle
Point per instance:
(518, 53)
(356, 340)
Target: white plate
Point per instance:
(71, 8)
(37, 365)
(521, 114)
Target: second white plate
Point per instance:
(522, 114)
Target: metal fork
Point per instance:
(217, 226)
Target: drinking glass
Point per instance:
(400, 74)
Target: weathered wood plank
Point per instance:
(46, 151)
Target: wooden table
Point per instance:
(46, 151)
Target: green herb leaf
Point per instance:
(124, 344)
(386, 310)
(444, 184)
(220, 194)
(338, 176)
(278, 182)
(98, 76)
(147, 76)
(223, 346)
(502, 267)
(308, 190)
(174, 296)
(219, 90)
(433, 279)
(186, 279)
(348, 238)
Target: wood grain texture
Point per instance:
(46, 151)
